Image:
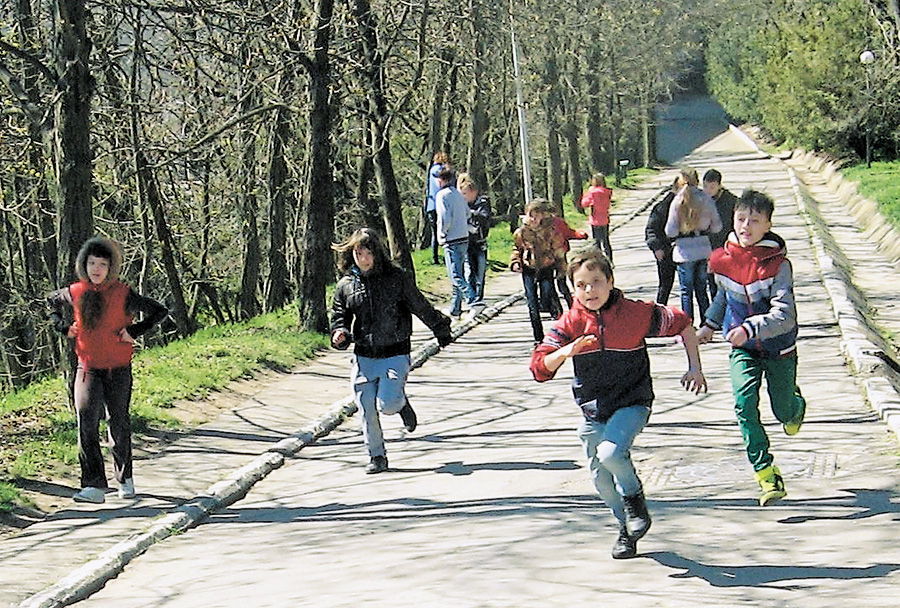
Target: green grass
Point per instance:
(40, 432)
(880, 183)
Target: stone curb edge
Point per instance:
(92, 576)
(865, 357)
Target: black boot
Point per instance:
(637, 518)
(626, 546)
(408, 415)
(378, 464)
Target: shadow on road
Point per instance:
(764, 575)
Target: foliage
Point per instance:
(793, 67)
(880, 183)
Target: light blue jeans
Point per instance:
(607, 446)
(378, 386)
(455, 256)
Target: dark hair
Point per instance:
(367, 238)
(446, 174)
(712, 176)
(754, 200)
(593, 259)
(92, 303)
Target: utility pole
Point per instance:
(520, 105)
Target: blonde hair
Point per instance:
(598, 180)
(689, 215)
(464, 181)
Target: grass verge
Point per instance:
(880, 183)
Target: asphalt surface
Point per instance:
(488, 503)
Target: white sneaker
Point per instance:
(126, 490)
(447, 311)
(93, 495)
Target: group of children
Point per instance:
(603, 332)
(604, 335)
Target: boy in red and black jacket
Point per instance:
(604, 334)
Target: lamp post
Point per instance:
(867, 58)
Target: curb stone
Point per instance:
(92, 576)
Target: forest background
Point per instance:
(227, 144)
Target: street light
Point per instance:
(867, 58)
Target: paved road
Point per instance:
(488, 504)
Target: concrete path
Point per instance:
(488, 503)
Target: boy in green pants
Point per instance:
(754, 307)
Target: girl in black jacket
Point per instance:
(373, 306)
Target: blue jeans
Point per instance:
(379, 385)
(476, 270)
(540, 290)
(455, 256)
(607, 446)
(692, 279)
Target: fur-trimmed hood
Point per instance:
(93, 246)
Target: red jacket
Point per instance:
(616, 373)
(100, 347)
(598, 199)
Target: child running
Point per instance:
(755, 309)
(104, 331)
(604, 334)
(373, 307)
(534, 255)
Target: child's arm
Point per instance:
(781, 316)
(152, 311)
(340, 320)
(515, 259)
(693, 380)
(554, 359)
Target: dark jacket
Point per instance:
(655, 232)
(377, 308)
(725, 206)
(616, 373)
(479, 222)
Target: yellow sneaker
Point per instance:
(793, 427)
(771, 484)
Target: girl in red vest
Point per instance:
(104, 331)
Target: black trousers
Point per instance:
(96, 389)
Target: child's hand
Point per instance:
(340, 339)
(73, 330)
(515, 267)
(694, 381)
(737, 336)
(705, 334)
(124, 336)
(577, 345)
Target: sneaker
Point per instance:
(625, 546)
(409, 417)
(378, 464)
(93, 495)
(449, 312)
(637, 517)
(771, 484)
(126, 490)
(793, 427)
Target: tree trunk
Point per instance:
(73, 120)
(279, 201)
(379, 120)
(594, 121)
(478, 121)
(318, 202)
(365, 173)
(248, 303)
